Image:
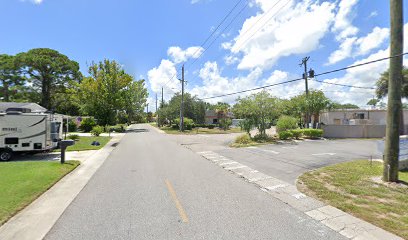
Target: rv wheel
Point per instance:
(6, 155)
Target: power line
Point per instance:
(253, 89)
(361, 64)
(219, 25)
(342, 85)
(263, 25)
(298, 79)
(216, 38)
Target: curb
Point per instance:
(337, 220)
(35, 221)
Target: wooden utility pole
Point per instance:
(304, 63)
(391, 150)
(182, 101)
(157, 113)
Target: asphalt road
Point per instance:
(285, 161)
(152, 188)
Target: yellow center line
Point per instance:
(180, 209)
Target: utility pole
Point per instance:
(392, 138)
(157, 113)
(162, 99)
(182, 101)
(304, 63)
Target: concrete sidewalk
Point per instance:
(34, 222)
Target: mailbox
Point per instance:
(63, 145)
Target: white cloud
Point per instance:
(373, 14)
(343, 52)
(278, 38)
(343, 22)
(160, 77)
(373, 40)
(215, 84)
(179, 55)
(33, 1)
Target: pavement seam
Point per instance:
(337, 220)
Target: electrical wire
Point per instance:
(324, 73)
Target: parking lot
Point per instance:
(286, 161)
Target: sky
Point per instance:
(260, 42)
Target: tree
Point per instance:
(313, 104)
(262, 108)
(382, 84)
(10, 77)
(104, 93)
(193, 108)
(373, 102)
(135, 100)
(49, 71)
(335, 105)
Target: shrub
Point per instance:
(225, 123)
(188, 123)
(211, 126)
(286, 123)
(87, 124)
(284, 135)
(96, 131)
(74, 137)
(72, 127)
(120, 128)
(243, 139)
(261, 138)
(312, 133)
(297, 133)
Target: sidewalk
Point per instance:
(34, 222)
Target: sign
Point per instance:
(403, 154)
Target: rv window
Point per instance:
(37, 146)
(11, 140)
(25, 144)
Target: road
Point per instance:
(152, 188)
(285, 161)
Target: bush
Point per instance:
(74, 137)
(72, 127)
(120, 128)
(211, 126)
(188, 123)
(225, 123)
(96, 131)
(243, 139)
(87, 124)
(297, 133)
(286, 123)
(261, 138)
(285, 135)
(312, 133)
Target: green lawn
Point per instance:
(84, 143)
(351, 188)
(23, 182)
(170, 130)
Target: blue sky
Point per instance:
(263, 45)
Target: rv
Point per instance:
(22, 131)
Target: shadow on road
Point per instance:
(140, 130)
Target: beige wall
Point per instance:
(355, 131)
(376, 117)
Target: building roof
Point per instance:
(34, 107)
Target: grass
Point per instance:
(351, 188)
(23, 182)
(84, 143)
(170, 130)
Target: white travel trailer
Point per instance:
(24, 131)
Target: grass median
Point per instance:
(23, 182)
(356, 188)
